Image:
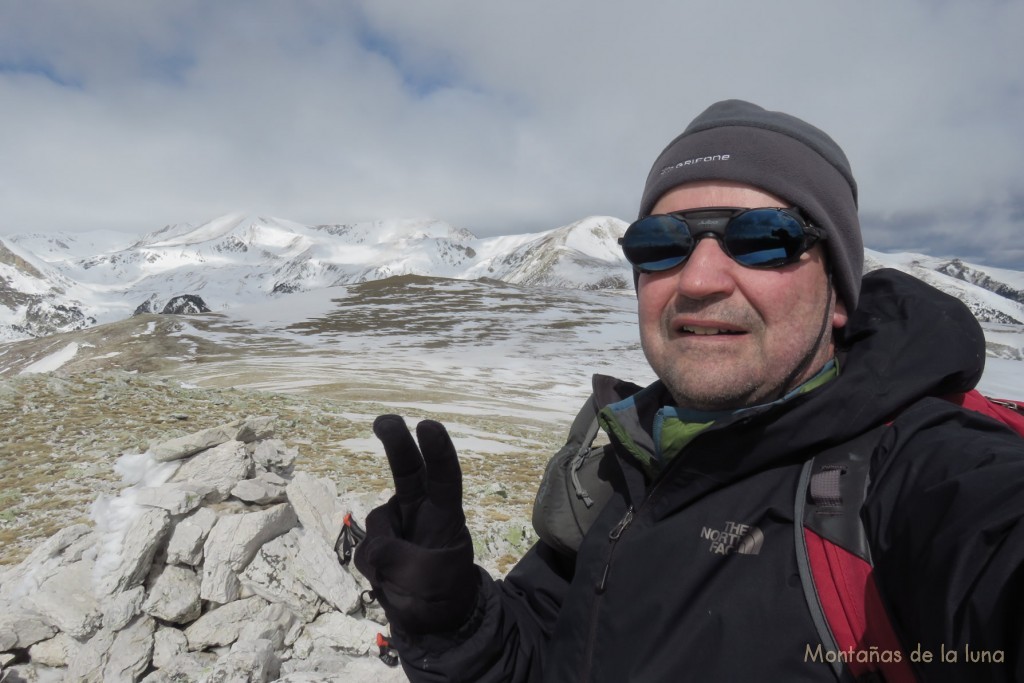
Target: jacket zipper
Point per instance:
(613, 537)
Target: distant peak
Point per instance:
(186, 234)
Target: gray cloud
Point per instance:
(497, 117)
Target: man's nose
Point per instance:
(708, 272)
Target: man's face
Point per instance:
(723, 336)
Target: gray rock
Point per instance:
(258, 491)
(138, 546)
(177, 498)
(232, 544)
(272, 574)
(245, 431)
(110, 657)
(131, 652)
(87, 666)
(168, 643)
(190, 444)
(85, 547)
(185, 546)
(316, 566)
(222, 625)
(256, 429)
(66, 600)
(275, 623)
(316, 503)
(252, 661)
(57, 651)
(119, 609)
(36, 673)
(322, 662)
(272, 478)
(219, 583)
(185, 667)
(41, 563)
(220, 467)
(273, 456)
(174, 596)
(20, 629)
(336, 632)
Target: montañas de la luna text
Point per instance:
(875, 655)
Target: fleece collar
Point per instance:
(671, 429)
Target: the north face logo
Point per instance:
(734, 538)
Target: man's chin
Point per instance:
(710, 396)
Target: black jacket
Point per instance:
(658, 591)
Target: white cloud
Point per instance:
(498, 117)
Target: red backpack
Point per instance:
(834, 559)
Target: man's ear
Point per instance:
(839, 314)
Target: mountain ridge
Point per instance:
(239, 258)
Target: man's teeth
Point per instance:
(706, 330)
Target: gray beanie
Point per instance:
(739, 141)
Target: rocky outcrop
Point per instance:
(185, 304)
(45, 317)
(147, 306)
(217, 562)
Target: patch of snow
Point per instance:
(53, 361)
(114, 515)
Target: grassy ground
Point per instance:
(60, 435)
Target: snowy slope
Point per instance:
(994, 295)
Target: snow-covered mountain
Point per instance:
(51, 283)
(994, 295)
(238, 259)
(36, 298)
(64, 246)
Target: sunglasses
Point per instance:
(755, 238)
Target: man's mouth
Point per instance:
(705, 331)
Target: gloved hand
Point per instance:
(418, 554)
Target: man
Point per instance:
(770, 349)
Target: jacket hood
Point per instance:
(907, 340)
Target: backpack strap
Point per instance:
(574, 487)
(834, 562)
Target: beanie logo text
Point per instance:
(693, 162)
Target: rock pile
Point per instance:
(217, 563)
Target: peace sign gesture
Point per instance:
(417, 554)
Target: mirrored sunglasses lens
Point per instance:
(763, 239)
(657, 243)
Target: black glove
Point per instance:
(418, 554)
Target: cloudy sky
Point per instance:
(498, 117)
